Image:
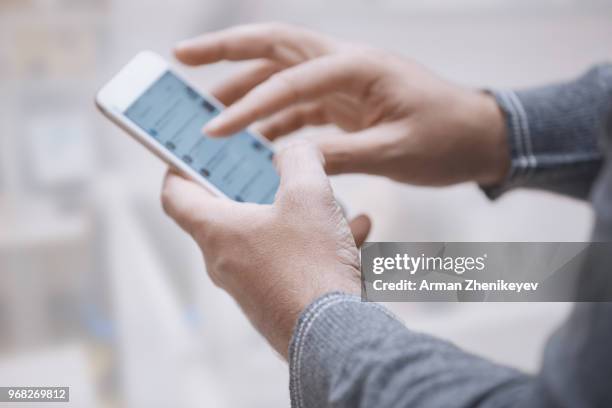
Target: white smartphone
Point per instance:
(162, 111)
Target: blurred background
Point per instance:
(99, 291)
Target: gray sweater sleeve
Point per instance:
(351, 354)
(555, 133)
(348, 353)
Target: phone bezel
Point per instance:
(128, 85)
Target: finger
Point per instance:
(189, 204)
(300, 166)
(300, 83)
(237, 85)
(360, 228)
(292, 119)
(359, 152)
(269, 40)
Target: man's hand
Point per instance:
(274, 259)
(401, 121)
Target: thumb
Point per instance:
(300, 166)
(189, 204)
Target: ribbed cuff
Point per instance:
(523, 161)
(555, 133)
(326, 335)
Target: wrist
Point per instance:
(284, 315)
(494, 153)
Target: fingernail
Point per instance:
(212, 127)
(182, 44)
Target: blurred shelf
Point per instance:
(39, 222)
(58, 10)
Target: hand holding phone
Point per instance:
(300, 245)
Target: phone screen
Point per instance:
(173, 113)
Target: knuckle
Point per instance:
(278, 28)
(369, 54)
(165, 203)
(366, 60)
(217, 266)
(296, 150)
(203, 231)
(166, 198)
(298, 147)
(304, 190)
(214, 278)
(356, 55)
(279, 78)
(274, 34)
(222, 263)
(284, 79)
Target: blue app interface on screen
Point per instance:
(173, 113)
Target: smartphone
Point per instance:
(162, 111)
